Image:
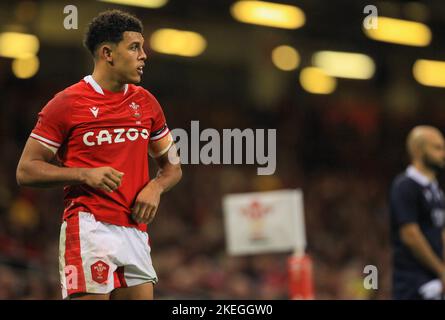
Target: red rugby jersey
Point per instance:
(92, 127)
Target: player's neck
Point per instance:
(107, 82)
(430, 174)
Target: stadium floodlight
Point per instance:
(18, 45)
(315, 80)
(285, 58)
(344, 64)
(404, 32)
(24, 68)
(139, 3)
(430, 72)
(178, 42)
(268, 14)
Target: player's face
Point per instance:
(130, 57)
(434, 152)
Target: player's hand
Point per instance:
(102, 178)
(146, 203)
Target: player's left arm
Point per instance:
(169, 173)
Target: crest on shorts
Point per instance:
(135, 109)
(99, 271)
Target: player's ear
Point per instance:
(105, 52)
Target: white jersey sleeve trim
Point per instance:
(47, 141)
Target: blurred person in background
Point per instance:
(417, 219)
(101, 131)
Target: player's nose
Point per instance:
(143, 55)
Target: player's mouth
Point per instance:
(140, 70)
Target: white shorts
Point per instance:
(97, 257)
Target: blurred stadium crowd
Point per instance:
(341, 149)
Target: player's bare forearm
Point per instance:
(36, 169)
(39, 173)
(168, 175)
(416, 241)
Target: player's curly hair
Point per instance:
(109, 26)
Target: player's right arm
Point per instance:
(413, 238)
(36, 169)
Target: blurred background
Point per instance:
(341, 97)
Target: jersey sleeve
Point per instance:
(159, 128)
(53, 122)
(404, 202)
